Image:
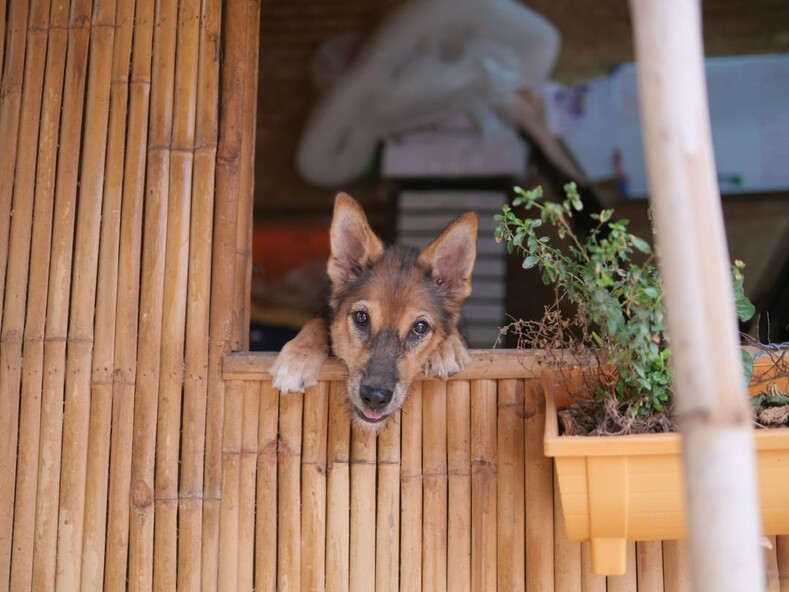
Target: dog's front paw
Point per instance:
(296, 368)
(449, 358)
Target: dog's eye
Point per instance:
(361, 318)
(420, 328)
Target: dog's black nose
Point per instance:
(375, 398)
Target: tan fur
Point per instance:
(397, 294)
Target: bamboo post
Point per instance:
(195, 393)
(362, 552)
(782, 552)
(590, 581)
(434, 485)
(566, 554)
(711, 403)
(46, 544)
(127, 307)
(771, 567)
(538, 498)
(484, 470)
(387, 526)
(459, 485)
(246, 486)
(289, 492)
(98, 458)
(649, 564)
(313, 488)
(229, 511)
(411, 491)
(338, 493)
(627, 582)
(266, 497)
(510, 486)
(676, 567)
(14, 405)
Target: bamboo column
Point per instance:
(338, 493)
(484, 471)
(711, 401)
(411, 491)
(434, 486)
(459, 485)
(387, 524)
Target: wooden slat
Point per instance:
(510, 486)
(566, 554)
(676, 566)
(387, 531)
(771, 567)
(782, 555)
(411, 492)
(459, 485)
(266, 496)
(338, 491)
(229, 513)
(629, 581)
(483, 485)
(289, 493)
(362, 553)
(313, 488)
(649, 566)
(434, 486)
(590, 582)
(246, 488)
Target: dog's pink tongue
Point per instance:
(370, 414)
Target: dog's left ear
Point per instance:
(451, 257)
(353, 243)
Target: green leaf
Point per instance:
(641, 244)
(747, 365)
(529, 262)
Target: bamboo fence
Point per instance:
(137, 450)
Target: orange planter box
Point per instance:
(616, 489)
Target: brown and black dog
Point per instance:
(393, 312)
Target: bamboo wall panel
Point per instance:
(110, 119)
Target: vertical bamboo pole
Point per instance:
(411, 491)
(628, 582)
(79, 351)
(127, 309)
(235, 21)
(60, 285)
(363, 462)
(20, 510)
(676, 567)
(540, 560)
(590, 581)
(266, 500)
(566, 554)
(649, 566)
(141, 531)
(190, 512)
(434, 485)
(11, 334)
(484, 471)
(782, 551)
(229, 516)
(246, 488)
(94, 539)
(176, 267)
(459, 485)
(771, 567)
(387, 525)
(510, 486)
(2, 28)
(289, 492)
(711, 403)
(10, 101)
(313, 488)
(338, 494)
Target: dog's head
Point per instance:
(391, 307)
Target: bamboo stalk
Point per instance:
(190, 514)
(79, 350)
(677, 576)
(711, 401)
(229, 516)
(459, 495)
(10, 245)
(126, 327)
(13, 72)
(175, 293)
(22, 507)
(50, 453)
(649, 563)
(362, 553)
(246, 489)
(566, 554)
(771, 567)
(338, 496)
(94, 540)
(782, 552)
(313, 488)
(483, 485)
(538, 494)
(387, 529)
(510, 486)
(267, 484)
(411, 491)
(590, 581)
(434, 485)
(627, 582)
(289, 493)
(224, 283)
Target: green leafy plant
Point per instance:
(610, 281)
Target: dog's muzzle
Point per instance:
(374, 401)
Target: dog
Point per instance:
(393, 311)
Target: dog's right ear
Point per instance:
(353, 243)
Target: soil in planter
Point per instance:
(609, 419)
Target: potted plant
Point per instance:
(607, 381)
